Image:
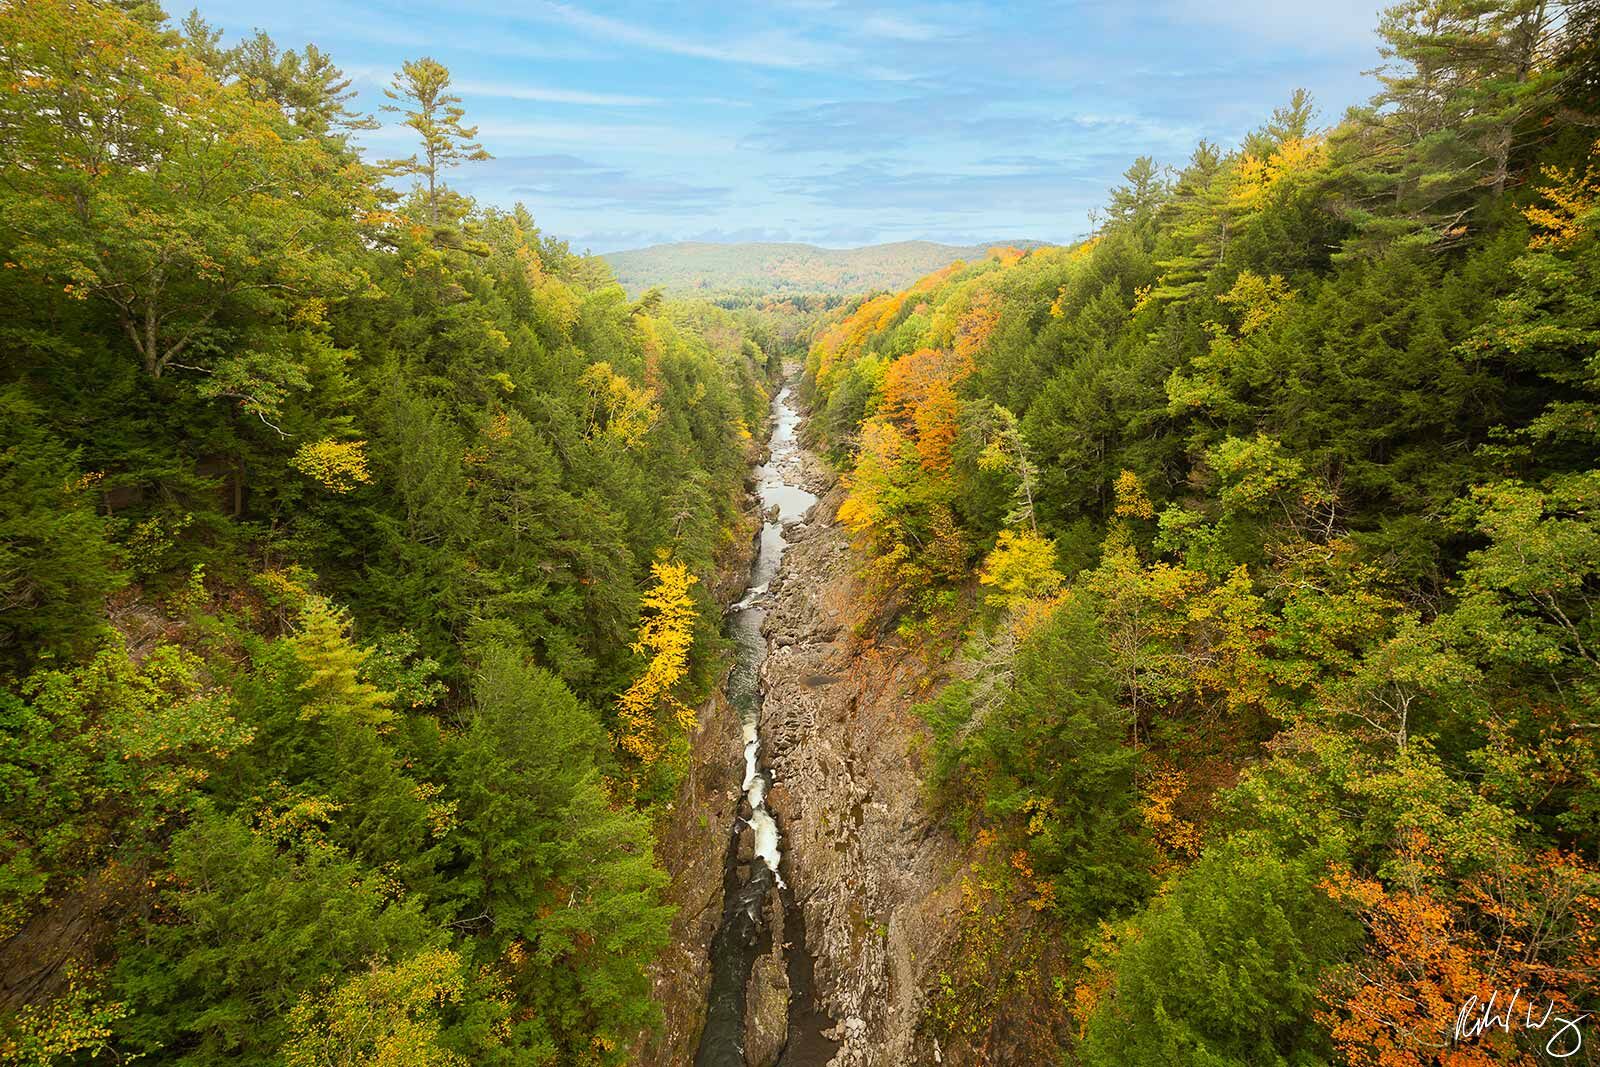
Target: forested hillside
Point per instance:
(1273, 704)
(358, 540)
(755, 268)
(354, 549)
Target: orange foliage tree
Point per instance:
(1444, 960)
(977, 323)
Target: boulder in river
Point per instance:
(766, 1017)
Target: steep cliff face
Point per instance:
(693, 848)
(877, 879)
(874, 877)
(694, 840)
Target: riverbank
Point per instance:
(878, 879)
(871, 882)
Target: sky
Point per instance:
(831, 122)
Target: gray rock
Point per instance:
(877, 899)
(766, 1012)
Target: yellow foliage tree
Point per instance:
(76, 1024)
(1132, 501)
(1176, 837)
(1573, 200)
(866, 511)
(618, 410)
(1021, 568)
(1257, 300)
(1258, 176)
(335, 685)
(388, 1017)
(336, 465)
(649, 707)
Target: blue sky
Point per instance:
(837, 123)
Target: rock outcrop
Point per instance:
(693, 847)
(694, 843)
(875, 876)
(766, 1019)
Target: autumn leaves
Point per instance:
(650, 714)
(903, 486)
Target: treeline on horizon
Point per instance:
(776, 271)
(1273, 712)
(354, 562)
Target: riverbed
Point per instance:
(760, 918)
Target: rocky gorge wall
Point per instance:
(875, 878)
(693, 841)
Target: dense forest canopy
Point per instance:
(354, 549)
(357, 543)
(1275, 698)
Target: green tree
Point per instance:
(1464, 79)
(547, 867)
(1291, 122)
(174, 203)
(56, 562)
(1135, 203)
(247, 928)
(309, 89)
(1223, 970)
(435, 115)
(99, 763)
(1051, 750)
(1200, 223)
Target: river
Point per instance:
(749, 879)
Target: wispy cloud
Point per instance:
(1328, 25)
(857, 125)
(766, 49)
(512, 135)
(510, 91)
(569, 179)
(970, 119)
(897, 28)
(1039, 187)
(335, 26)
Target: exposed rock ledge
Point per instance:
(877, 879)
(874, 873)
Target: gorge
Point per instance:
(759, 918)
(424, 643)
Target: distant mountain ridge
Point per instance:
(699, 267)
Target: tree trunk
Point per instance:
(1500, 152)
